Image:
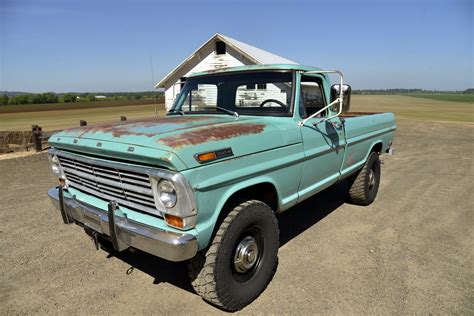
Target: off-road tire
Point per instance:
(212, 272)
(362, 191)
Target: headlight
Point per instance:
(174, 199)
(56, 167)
(167, 193)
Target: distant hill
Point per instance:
(14, 93)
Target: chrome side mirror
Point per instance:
(346, 91)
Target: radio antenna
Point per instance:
(153, 85)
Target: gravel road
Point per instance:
(410, 252)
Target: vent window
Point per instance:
(183, 81)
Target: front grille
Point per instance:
(127, 188)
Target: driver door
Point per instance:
(323, 141)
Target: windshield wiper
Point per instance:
(175, 111)
(233, 113)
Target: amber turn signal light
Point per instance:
(207, 156)
(62, 182)
(174, 221)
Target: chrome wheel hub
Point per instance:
(246, 254)
(371, 179)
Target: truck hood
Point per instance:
(172, 141)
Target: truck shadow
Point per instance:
(299, 218)
(292, 223)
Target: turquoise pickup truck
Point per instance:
(204, 183)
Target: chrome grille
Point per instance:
(128, 188)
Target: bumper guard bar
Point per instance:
(123, 232)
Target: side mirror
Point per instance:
(346, 90)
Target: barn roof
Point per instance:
(256, 55)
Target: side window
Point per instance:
(311, 97)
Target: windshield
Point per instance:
(256, 93)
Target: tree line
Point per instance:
(51, 97)
(408, 91)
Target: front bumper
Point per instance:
(123, 232)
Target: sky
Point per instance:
(105, 45)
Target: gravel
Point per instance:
(410, 252)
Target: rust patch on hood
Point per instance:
(126, 127)
(203, 135)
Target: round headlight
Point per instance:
(167, 193)
(55, 165)
(56, 169)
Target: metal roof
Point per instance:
(260, 55)
(257, 55)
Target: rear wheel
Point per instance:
(241, 260)
(364, 185)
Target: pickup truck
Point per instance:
(205, 182)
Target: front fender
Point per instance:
(216, 201)
(214, 184)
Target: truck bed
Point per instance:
(364, 130)
(356, 114)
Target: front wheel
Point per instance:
(364, 185)
(241, 260)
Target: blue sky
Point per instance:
(105, 45)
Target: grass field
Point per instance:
(419, 109)
(404, 107)
(445, 97)
(71, 106)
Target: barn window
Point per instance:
(262, 86)
(220, 48)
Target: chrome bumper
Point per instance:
(125, 233)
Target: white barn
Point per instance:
(219, 51)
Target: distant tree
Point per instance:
(47, 97)
(50, 97)
(3, 99)
(37, 99)
(468, 91)
(137, 97)
(90, 97)
(69, 98)
(19, 99)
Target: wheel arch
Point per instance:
(262, 188)
(376, 146)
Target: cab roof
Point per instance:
(256, 68)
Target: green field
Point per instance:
(404, 107)
(419, 109)
(454, 97)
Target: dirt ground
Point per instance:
(410, 252)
